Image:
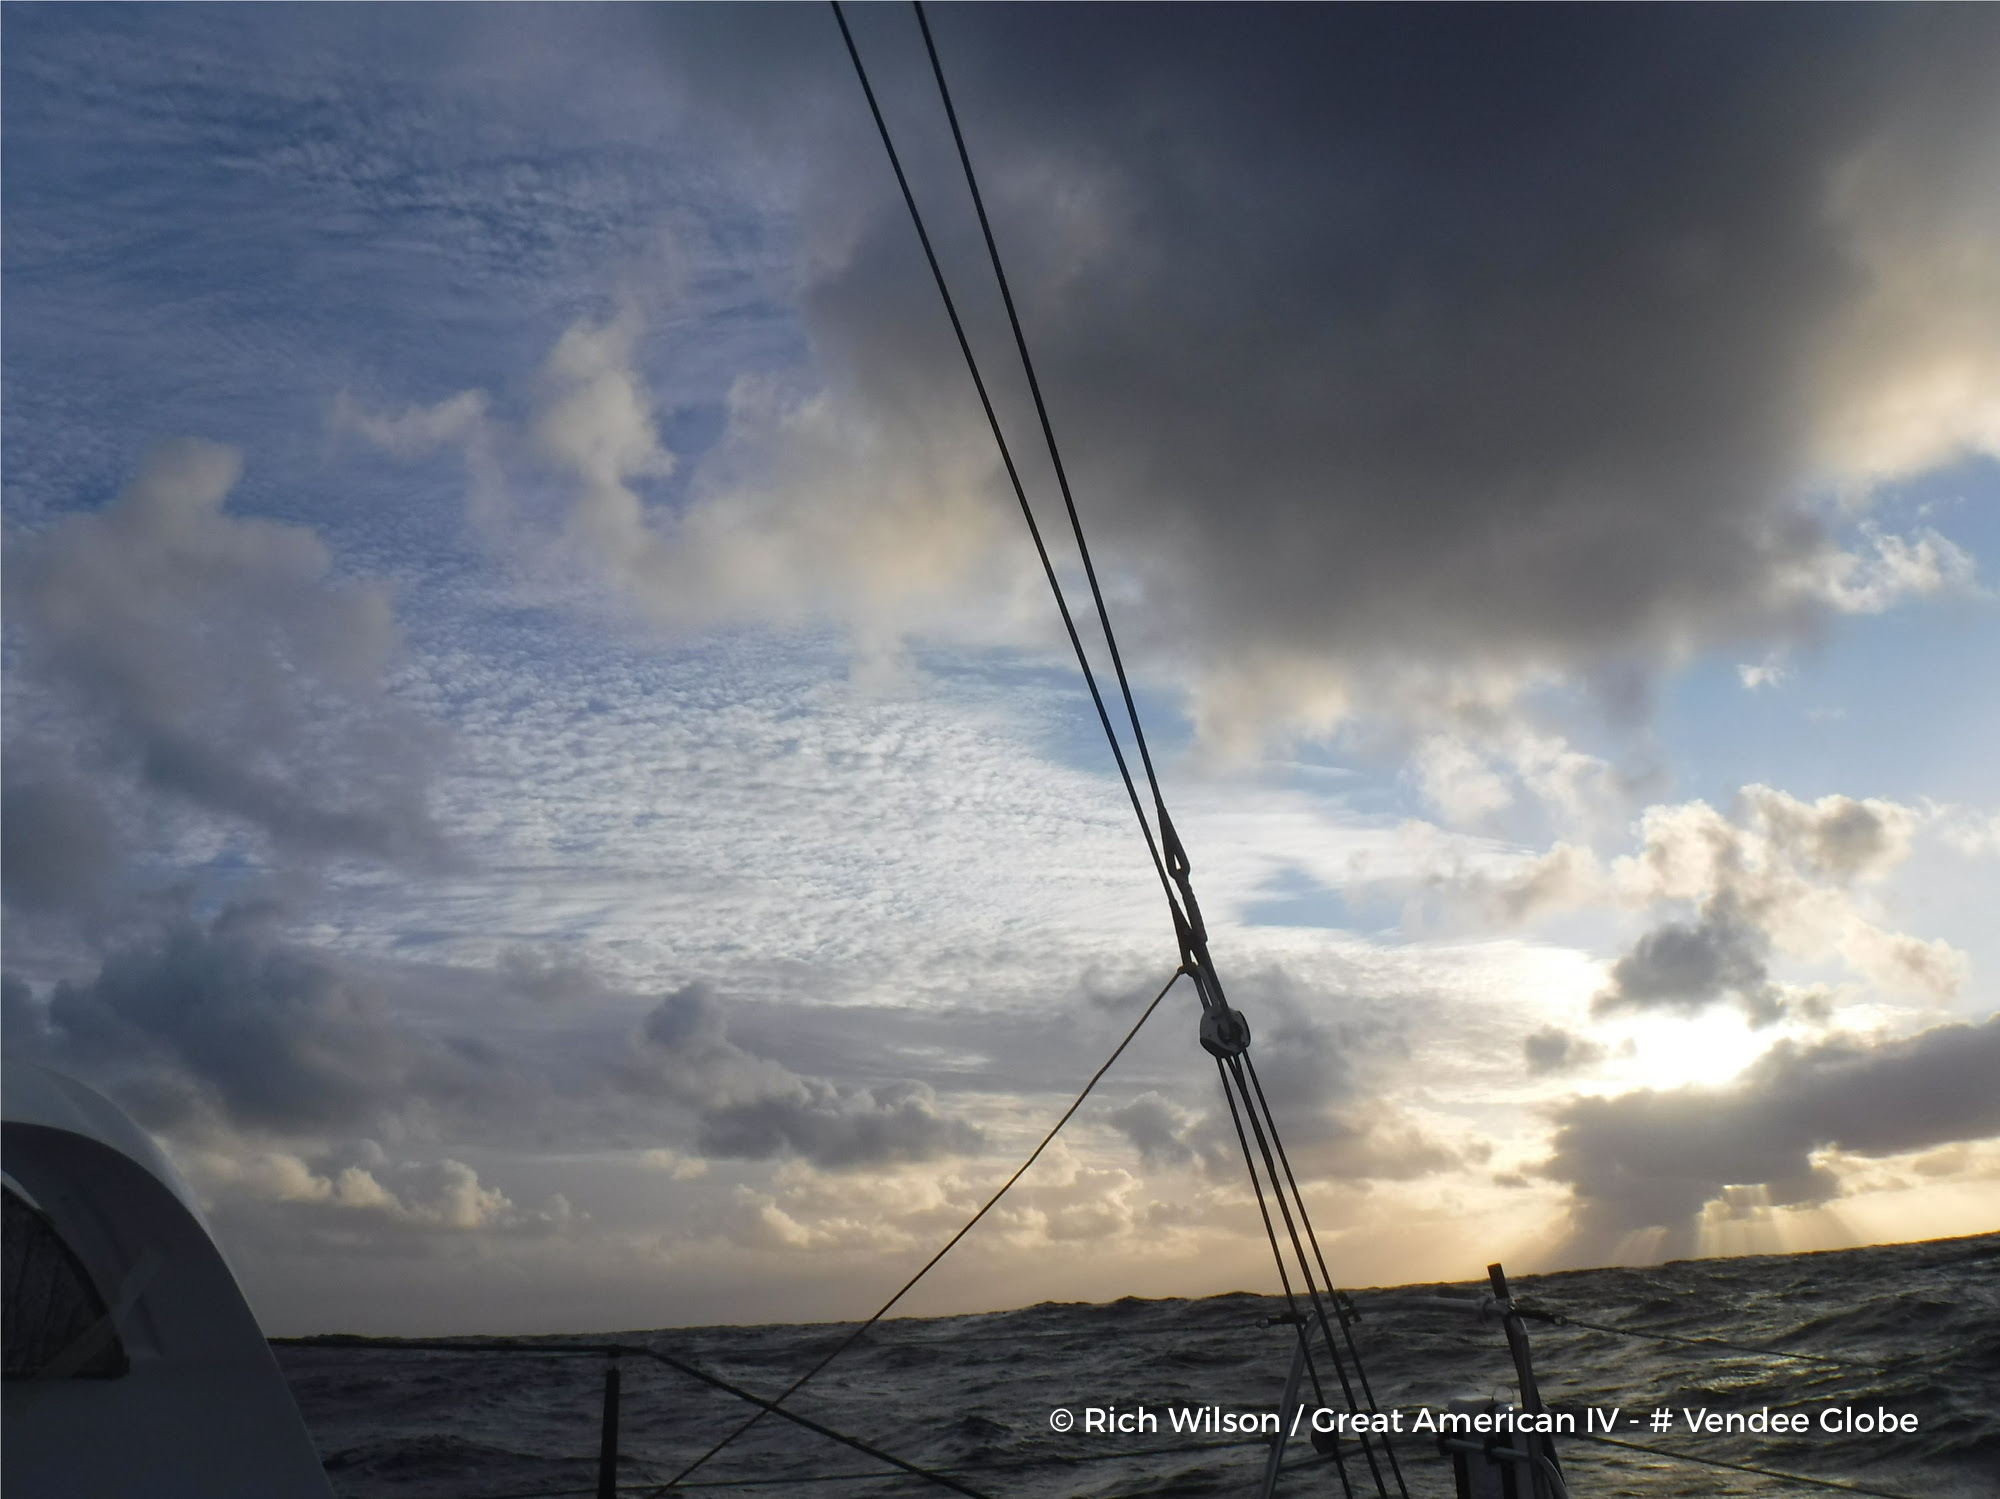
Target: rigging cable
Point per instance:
(1188, 927)
(1006, 453)
(1284, 1276)
(1231, 1033)
(882, 1311)
(1042, 412)
(1232, 1069)
(1342, 1304)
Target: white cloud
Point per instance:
(419, 430)
(1890, 570)
(443, 1194)
(1772, 671)
(1971, 831)
(1457, 780)
(1567, 877)
(458, 422)
(596, 419)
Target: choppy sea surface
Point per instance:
(1917, 1326)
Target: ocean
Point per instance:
(1917, 1327)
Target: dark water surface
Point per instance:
(974, 1394)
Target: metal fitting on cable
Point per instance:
(1224, 1033)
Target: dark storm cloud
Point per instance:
(1686, 967)
(214, 658)
(1157, 1128)
(1476, 338)
(234, 1024)
(753, 1107)
(1339, 1122)
(24, 1023)
(1651, 1159)
(1552, 1049)
(204, 1032)
(1325, 1082)
(57, 844)
(231, 1022)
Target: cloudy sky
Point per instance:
(538, 756)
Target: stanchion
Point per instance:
(1543, 1448)
(607, 1443)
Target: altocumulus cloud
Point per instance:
(420, 1195)
(1688, 965)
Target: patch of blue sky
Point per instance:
(1293, 897)
(228, 877)
(1312, 767)
(1898, 704)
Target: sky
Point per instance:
(540, 762)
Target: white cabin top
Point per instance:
(134, 1366)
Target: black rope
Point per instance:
(1170, 860)
(1716, 1462)
(1346, 1325)
(1189, 931)
(1006, 454)
(881, 1311)
(453, 1346)
(1560, 1319)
